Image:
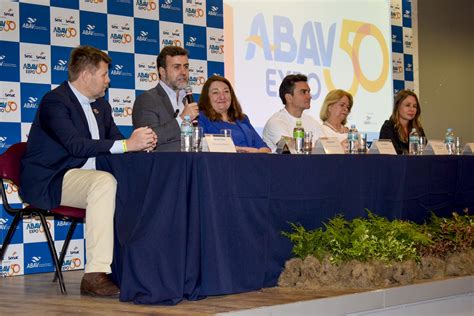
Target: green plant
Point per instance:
(455, 234)
(361, 239)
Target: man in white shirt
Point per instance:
(162, 107)
(295, 94)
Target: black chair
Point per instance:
(10, 171)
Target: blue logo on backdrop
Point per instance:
(215, 68)
(408, 61)
(406, 13)
(397, 86)
(10, 133)
(120, 7)
(9, 61)
(59, 63)
(71, 4)
(94, 29)
(195, 41)
(35, 25)
(37, 258)
(31, 94)
(122, 71)
(7, 219)
(215, 13)
(397, 39)
(146, 37)
(171, 11)
(61, 227)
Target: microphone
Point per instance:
(176, 113)
(190, 99)
(189, 94)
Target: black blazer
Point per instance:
(59, 140)
(388, 132)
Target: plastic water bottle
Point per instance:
(298, 135)
(449, 141)
(413, 142)
(186, 134)
(352, 138)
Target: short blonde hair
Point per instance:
(331, 98)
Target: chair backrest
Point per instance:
(10, 163)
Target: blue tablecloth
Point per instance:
(192, 225)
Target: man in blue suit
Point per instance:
(73, 125)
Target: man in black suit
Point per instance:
(73, 125)
(162, 107)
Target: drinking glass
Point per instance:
(422, 144)
(362, 143)
(196, 141)
(457, 146)
(227, 132)
(308, 143)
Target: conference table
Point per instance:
(191, 225)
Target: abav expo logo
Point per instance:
(9, 102)
(9, 20)
(195, 13)
(64, 27)
(12, 263)
(121, 33)
(122, 101)
(35, 63)
(146, 9)
(171, 34)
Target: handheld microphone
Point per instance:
(189, 94)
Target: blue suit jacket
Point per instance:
(60, 140)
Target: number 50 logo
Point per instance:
(361, 30)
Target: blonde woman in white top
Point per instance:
(336, 107)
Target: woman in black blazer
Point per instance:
(405, 116)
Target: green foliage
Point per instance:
(455, 234)
(376, 238)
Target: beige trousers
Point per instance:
(95, 191)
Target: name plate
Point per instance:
(468, 149)
(328, 145)
(216, 143)
(286, 145)
(435, 147)
(382, 146)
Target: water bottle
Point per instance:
(352, 138)
(413, 142)
(449, 141)
(298, 135)
(186, 134)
